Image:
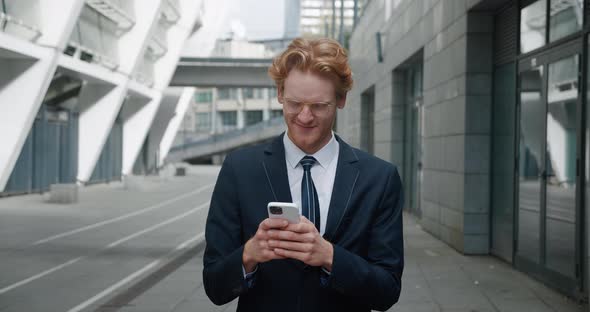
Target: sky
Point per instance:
(255, 19)
(262, 19)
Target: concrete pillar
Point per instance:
(183, 103)
(27, 70)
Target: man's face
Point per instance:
(311, 128)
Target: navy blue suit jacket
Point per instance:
(364, 225)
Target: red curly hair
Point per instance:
(325, 57)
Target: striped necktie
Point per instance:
(310, 204)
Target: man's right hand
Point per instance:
(256, 250)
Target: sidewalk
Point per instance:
(436, 278)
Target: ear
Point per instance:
(341, 102)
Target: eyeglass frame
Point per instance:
(285, 102)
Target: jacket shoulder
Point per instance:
(248, 153)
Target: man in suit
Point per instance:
(349, 257)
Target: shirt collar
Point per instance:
(324, 156)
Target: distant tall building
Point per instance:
(323, 18)
(292, 19)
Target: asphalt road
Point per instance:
(77, 257)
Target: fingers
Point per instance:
(305, 226)
(297, 255)
(269, 254)
(294, 246)
(269, 223)
(305, 237)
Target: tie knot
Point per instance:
(307, 162)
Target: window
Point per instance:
(259, 93)
(272, 93)
(203, 121)
(204, 96)
(533, 21)
(227, 94)
(565, 18)
(248, 93)
(253, 117)
(276, 113)
(229, 120)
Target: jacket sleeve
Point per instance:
(223, 277)
(376, 279)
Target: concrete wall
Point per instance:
(457, 64)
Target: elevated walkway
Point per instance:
(226, 142)
(222, 72)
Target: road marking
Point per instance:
(156, 226)
(123, 217)
(190, 241)
(131, 277)
(38, 276)
(111, 245)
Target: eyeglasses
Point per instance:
(295, 107)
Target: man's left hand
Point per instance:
(303, 242)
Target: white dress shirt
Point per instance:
(323, 174)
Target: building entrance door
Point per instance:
(548, 226)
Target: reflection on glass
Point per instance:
(565, 17)
(532, 116)
(532, 26)
(562, 95)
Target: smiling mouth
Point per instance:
(306, 127)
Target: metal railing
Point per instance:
(97, 32)
(171, 11)
(229, 135)
(124, 20)
(20, 19)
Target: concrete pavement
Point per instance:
(436, 277)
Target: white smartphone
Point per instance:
(288, 211)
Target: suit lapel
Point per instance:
(347, 173)
(275, 168)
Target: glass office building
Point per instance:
(484, 107)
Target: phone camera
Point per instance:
(276, 210)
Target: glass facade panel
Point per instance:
(203, 121)
(565, 18)
(560, 165)
(253, 117)
(23, 18)
(204, 97)
(587, 132)
(276, 113)
(248, 93)
(229, 120)
(533, 23)
(367, 120)
(89, 32)
(531, 137)
(226, 93)
(502, 205)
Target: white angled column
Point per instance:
(136, 128)
(99, 113)
(26, 72)
(174, 124)
(99, 106)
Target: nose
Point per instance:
(305, 115)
